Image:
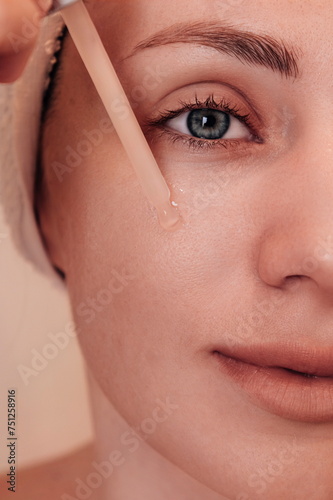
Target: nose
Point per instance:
(298, 237)
(290, 253)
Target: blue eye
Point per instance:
(204, 125)
(209, 124)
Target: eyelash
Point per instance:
(196, 143)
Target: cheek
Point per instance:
(148, 304)
(142, 297)
(145, 299)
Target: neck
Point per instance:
(128, 468)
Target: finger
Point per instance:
(19, 27)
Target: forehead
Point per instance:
(126, 23)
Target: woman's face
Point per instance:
(252, 265)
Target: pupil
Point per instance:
(208, 123)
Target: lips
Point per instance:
(292, 381)
(301, 373)
(294, 357)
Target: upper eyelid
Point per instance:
(208, 103)
(249, 102)
(242, 122)
(186, 112)
(175, 135)
(223, 105)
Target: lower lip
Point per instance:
(286, 394)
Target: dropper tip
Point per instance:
(168, 217)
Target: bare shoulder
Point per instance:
(52, 480)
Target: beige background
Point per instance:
(52, 406)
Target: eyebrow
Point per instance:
(248, 47)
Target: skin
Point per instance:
(191, 289)
(16, 41)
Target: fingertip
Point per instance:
(12, 66)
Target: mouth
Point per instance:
(301, 373)
(293, 382)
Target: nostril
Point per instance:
(293, 277)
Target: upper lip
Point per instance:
(293, 356)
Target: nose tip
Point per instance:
(286, 255)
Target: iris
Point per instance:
(208, 123)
